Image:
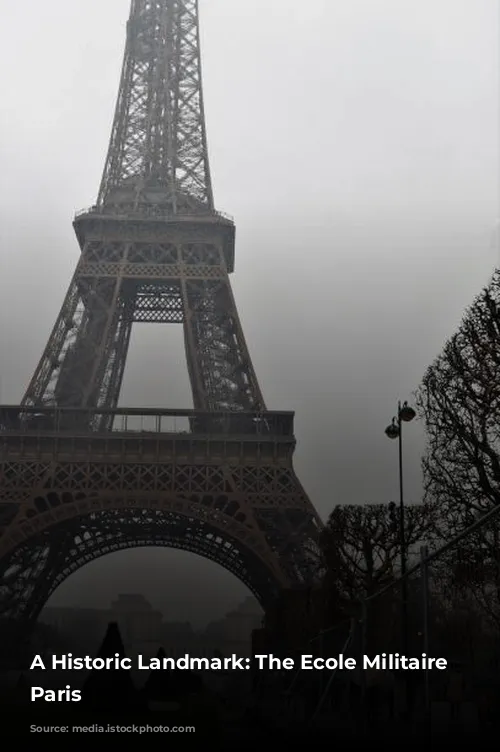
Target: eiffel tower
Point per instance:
(80, 477)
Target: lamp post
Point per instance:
(395, 431)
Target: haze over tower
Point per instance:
(157, 161)
(80, 477)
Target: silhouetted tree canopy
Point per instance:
(362, 552)
(361, 545)
(460, 402)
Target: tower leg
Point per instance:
(83, 362)
(217, 354)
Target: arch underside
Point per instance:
(33, 571)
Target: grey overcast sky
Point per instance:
(355, 143)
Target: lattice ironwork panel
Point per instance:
(35, 570)
(157, 156)
(150, 271)
(239, 503)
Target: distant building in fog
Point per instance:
(83, 627)
(233, 633)
(144, 630)
(140, 624)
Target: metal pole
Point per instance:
(424, 569)
(402, 542)
(438, 553)
(363, 651)
(333, 673)
(321, 645)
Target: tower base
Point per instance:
(219, 485)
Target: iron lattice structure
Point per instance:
(78, 476)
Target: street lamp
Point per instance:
(395, 431)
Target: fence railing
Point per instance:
(34, 420)
(446, 608)
(152, 212)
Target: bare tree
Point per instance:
(362, 552)
(460, 403)
(362, 547)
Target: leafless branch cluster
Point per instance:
(459, 400)
(362, 546)
(460, 403)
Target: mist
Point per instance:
(355, 144)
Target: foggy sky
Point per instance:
(355, 143)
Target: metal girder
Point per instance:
(36, 569)
(158, 150)
(147, 273)
(76, 480)
(232, 496)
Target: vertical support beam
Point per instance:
(219, 364)
(40, 390)
(104, 334)
(363, 652)
(424, 579)
(198, 390)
